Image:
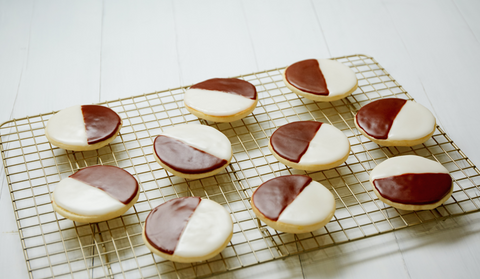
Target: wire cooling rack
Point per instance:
(56, 247)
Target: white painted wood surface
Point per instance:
(56, 53)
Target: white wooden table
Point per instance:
(55, 54)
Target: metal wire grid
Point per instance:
(56, 247)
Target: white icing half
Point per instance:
(83, 199)
(414, 121)
(311, 206)
(338, 77)
(67, 126)
(208, 228)
(406, 164)
(204, 138)
(216, 103)
(329, 145)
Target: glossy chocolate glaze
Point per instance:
(273, 196)
(165, 223)
(184, 158)
(291, 141)
(376, 118)
(101, 123)
(115, 181)
(415, 188)
(230, 85)
(307, 76)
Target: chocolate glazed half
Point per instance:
(273, 196)
(376, 118)
(101, 123)
(307, 76)
(165, 223)
(229, 85)
(291, 141)
(415, 188)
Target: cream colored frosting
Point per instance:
(216, 103)
(202, 137)
(67, 126)
(83, 199)
(406, 164)
(413, 121)
(338, 77)
(311, 206)
(329, 145)
(207, 230)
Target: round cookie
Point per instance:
(395, 122)
(309, 145)
(188, 229)
(293, 204)
(95, 194)
(82, 128)
(321, 80)
(411, 183)
(221, 99)
(192, 151)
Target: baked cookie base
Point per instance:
(290, 228)
(86, 147)
(404, 206)
(175, 258)
(227, 118)
(388, 142)
(315, 97)
(305, 167)
(95, 218)
(190, 175)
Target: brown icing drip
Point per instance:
(184, 158)
(115, 181)
(307, 76)
(165, 223)
(291, 141)
(376, 118)
(229, 85)
(273, 196)
(414, 188)
(101, 123)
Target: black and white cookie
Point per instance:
(188, 229)
(322, 80)
(309, 145)
(192, 151)
(395, 122)
(221, 99)
(411, 183)
(95, 194)
(82, 128)
(293, 203)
